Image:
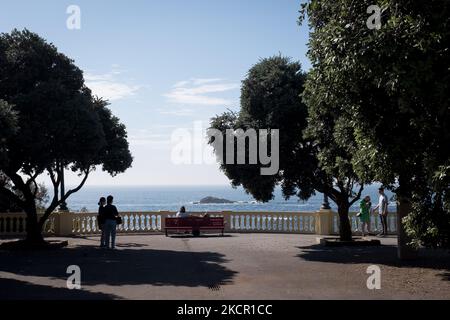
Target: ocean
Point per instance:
(171, 198)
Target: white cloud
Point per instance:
(184, 112)
(146, 137)
(200, 92)
(108, 86)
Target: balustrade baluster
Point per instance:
(83, 224)
(237, 225)
(125, 220)
(88, 225)
(147, 222)
(392, 223)
(137, 223)
(335, 225)
(154, 226)
(141, 222)
(159, 223)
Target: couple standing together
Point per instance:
(108, 218)
(366, 209)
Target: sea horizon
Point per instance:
(136, 198)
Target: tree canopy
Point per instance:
(310, 158)
(8, 127)
(59, 123)
(269, 100)
(393, 83)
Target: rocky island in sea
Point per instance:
(214, 200)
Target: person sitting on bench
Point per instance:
(182, 213)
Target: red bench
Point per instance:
(195, 225)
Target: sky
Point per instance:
(165, 66)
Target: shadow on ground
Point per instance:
(126, 266)
(12, 289)
(383, 255)
(203, 236)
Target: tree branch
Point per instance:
(70, 192)
(56, 181)
(358, 196)
(24, 188)
(55, 201)
(32, 179)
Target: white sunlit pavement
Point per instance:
(239, 266)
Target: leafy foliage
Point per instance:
(310, 157)
(429, 222)
(269, 100)
(392, 86)
(59, 123)
(8, 127)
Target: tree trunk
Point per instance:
(405, 251)
(33, 228)
(345, 229)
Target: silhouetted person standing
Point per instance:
(101, 220)
(110, 214)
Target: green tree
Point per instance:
(393, 84)
(429, 221)
(310, 160)
(8, 127)
(60, 125)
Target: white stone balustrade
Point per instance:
(12, 224)
(375, 223)
(72, 224)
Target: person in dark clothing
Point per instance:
(101, 220)
(110, 214)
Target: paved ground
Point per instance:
(247, 266)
